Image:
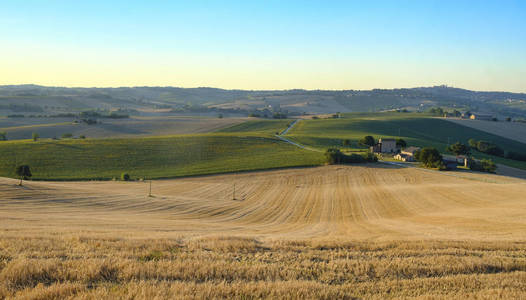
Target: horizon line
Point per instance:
(254, 90)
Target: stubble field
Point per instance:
(327, 232)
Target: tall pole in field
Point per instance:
(150, 192)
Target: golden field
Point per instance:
(371, 231)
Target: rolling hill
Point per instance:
(33, 99)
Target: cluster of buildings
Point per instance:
(389, 146)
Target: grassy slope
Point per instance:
(269, 127)
(153, 157)
(416, 129)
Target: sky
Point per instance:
(478, 45)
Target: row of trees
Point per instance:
(370, 141)
(485, 165)
(335, 156)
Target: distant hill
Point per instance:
(34, 99)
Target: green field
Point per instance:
(267, 127)
(242, 147)
(417, 129)
(151, 157)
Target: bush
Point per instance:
(485, 165)
(370, 157)
(67, 135)
(346, 142)
(335, 156)
(125, 177)
(82, 136)
(489, 148)
(486, 147)
(3, 136)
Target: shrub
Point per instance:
(370, 157)
(472, 143)
(3, 136)
(125, 176)
(489, 148)
(346, 142)
(485, 165)
(67, 135)
(486, 147)
(82, 136)
(335, 156)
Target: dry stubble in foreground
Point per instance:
(331, 232)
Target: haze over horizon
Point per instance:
(265, 46)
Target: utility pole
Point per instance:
(150, 192)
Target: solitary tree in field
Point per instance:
(367, 141)
(24, 172)
(125, 176)
(35, 136)
(458, 149)
(346, 142)
(3, 136)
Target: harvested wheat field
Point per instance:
(371, 231)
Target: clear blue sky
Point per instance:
(265, 44)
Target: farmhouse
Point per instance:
(483, 117)
(385, 146)
(408, 154)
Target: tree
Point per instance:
(67, 135)
(472, 143)
(488, 165)
(508, 119)
(489, 148)
(401, 143)
(485, 165)
(35, 136)
(23, 172)
(346, 142)
(3, 136)
(367, 141)
(430, 157)
(125, 176)
(458, 149)
(334, 156)
(220, 116)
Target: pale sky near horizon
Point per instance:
(478, 45)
